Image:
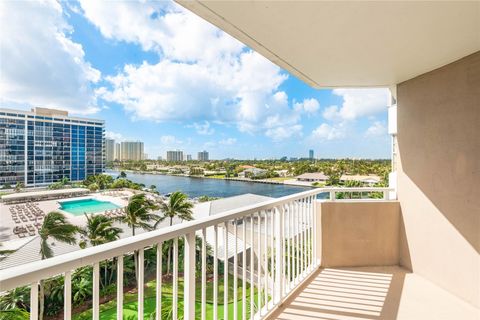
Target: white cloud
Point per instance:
(329, 132)
(203, 128)
(228, 141)
(281, 133)
(203, 73)
(42, 65)
(170, 141)
(358, 103)
(308, 106)
(376, 129)
(115, 136)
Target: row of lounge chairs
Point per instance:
(22, 213)
(114, 194)
(26, 230)
(115, 213)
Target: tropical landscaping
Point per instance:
(141, 212)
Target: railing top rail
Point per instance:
(25, 274)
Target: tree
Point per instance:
(99, 229)
(138, 215)
(19, 186)
(55, 226)
(18, 298)
(176, 206)
(122, 175)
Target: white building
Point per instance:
(109, 150)
(117, 155)
(202, 156)
(131, 150)
(175, 155)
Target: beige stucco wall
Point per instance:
(355, 234)
(439, 176)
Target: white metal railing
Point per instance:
(279, 235)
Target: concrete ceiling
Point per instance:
(353, 43)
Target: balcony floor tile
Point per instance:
(372, 293)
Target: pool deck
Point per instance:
(7, 224)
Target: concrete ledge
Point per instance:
(355, 234)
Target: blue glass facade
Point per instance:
(39, 150)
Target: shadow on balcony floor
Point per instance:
(372, 293)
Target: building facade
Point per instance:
(117, 156)
(311, 154)
(131, 150)
(109, 150)
(175, 155)
(203, 156)
(43, 146)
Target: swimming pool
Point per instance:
(90, 205)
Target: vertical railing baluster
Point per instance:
(244, 269)
(265, 256)
(204, 275)
(309, 221)
(252, 267)
(158, 284)
(215, 272)
(235, 270)
(175, 280)
(259, 263)
(140, 282)
(288, 230)
(302, 238)
(67, 296)
(189, 277)
(297, 249)
(96, 291)
(272, 253)
(225, 273)
(120, 287)
(34, 301)
(279, 251)
(314, 220)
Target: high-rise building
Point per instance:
(131, 150)
(310, 154)
(189, 157)
(43, 146)
(203, 156)
(109, 150)
(118, 155)
(175, 155)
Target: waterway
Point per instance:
(196, 187)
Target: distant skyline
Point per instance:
(159, 74)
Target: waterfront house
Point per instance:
(369, 180)
(313, 177)
(252, 173)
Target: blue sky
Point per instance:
(157, 73)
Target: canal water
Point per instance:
(196, 187)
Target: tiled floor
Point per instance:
(373, 293)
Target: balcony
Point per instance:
(294, 257)
(271, 248)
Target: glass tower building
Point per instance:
(45, 145)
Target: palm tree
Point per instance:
(55, 226)
(17, 298)
(99, 230)
(138, 215)
(176, 206)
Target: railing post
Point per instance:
(34, 301)
(332, 195)
(189, 277)
(67, 296)
(279, 251)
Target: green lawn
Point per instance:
(108, 310)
